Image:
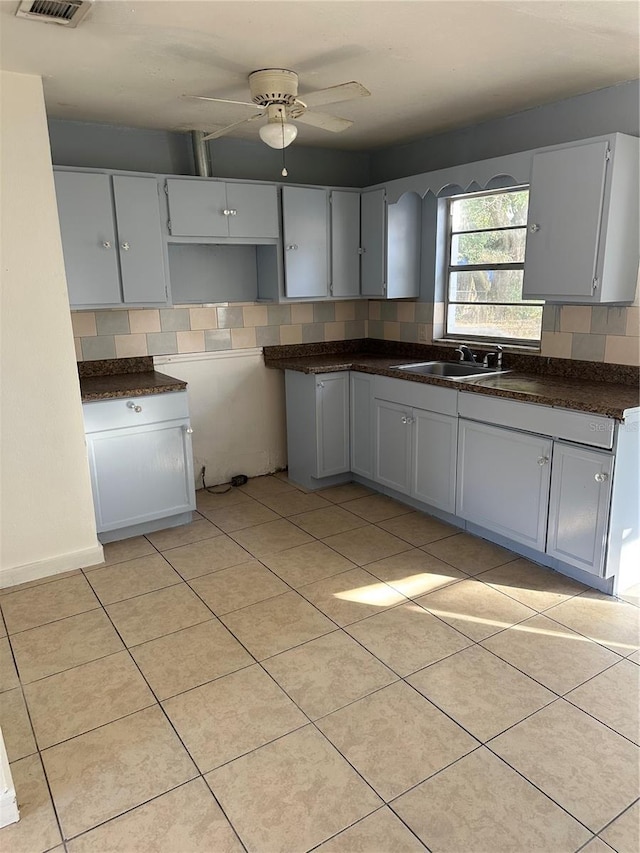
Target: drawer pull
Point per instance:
(134, 406)
(601, 478)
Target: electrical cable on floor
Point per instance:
(238, 480)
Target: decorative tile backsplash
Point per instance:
(599, 333)
(199, 328)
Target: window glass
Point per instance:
(487, 238)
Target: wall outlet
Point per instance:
(422, 334)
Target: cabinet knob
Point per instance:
(292, 247)
(226, 212)
(601, 478)
(106, 244)
(534, 228)
(233, 213)
(188, 430)
(542, 460)
(320, 385)
(125, 247)
(134, 406)
(406, 420)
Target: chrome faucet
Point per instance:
(466, 354)
(497, 355)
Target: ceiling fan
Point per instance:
(274, 93)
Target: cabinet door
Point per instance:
(579, 506)
(254, 210)
(403, 247)
(197, 208)
(373, 228)
(88, 238)
(393, 441)
(503, 481)
(565, 210)
(361, 424)
(435, 440)
(345, 244)
(140, 239)
(332, 423)
(304, 213)
(140, 474)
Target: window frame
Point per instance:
(449, 268)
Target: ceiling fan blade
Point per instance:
(334, 94)
(324, 121)
(223, 101)
(224, 130)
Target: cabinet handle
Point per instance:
(292, 247)
(125, 247)
(134, 406)
(106, 244)
(542, 460)
(188, 430)
(601, 478)
(534, 228)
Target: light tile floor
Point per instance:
(331, 672)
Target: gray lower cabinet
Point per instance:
(111, 239)
(583, 222)
(305, 218)
(393, 445)
(503, 481)
(140, 462)
(435, 452)
(209, 208)
(579, 506)
(361, 402)
(416, 446)
(318, 441)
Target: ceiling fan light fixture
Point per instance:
(278, 134)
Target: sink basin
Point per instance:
(448, 369)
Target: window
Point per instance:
(487, 236)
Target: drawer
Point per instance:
(578, 427)
(418, 395)
(101, 415)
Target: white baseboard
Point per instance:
(51, 566)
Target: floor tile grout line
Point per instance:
(56, 621)
(537, 787)
(140, 594)
(169, 721)
(586, 636)
(619, 815)
(361, 820)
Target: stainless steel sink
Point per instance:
(447, 369)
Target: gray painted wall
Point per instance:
(75, 143)
(106, 146)
(603, 111)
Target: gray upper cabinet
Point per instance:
(373, 227)
(111, 239)
(583, 223)
(207, 208)
(345, 244)
(391, 239)
(306, 242)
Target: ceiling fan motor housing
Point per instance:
(273, 86)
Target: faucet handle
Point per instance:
(497, 354)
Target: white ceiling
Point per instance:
(430, 66)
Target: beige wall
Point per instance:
(45, 500)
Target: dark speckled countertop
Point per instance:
(123, 377)
(610, 398)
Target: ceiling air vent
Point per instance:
(69, 13)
